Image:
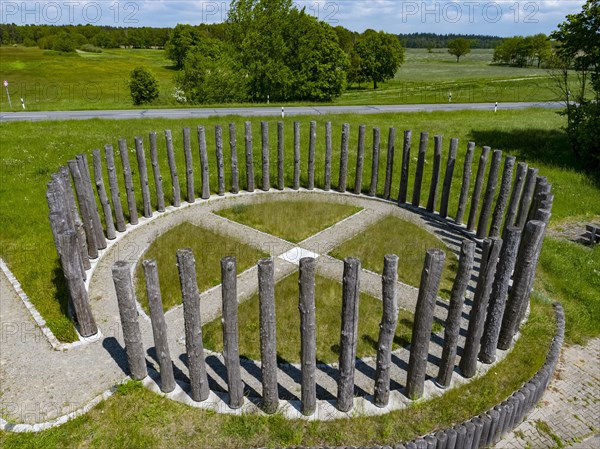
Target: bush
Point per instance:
(143, 86)
(91, 48)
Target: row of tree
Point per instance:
(433, 40)
(524, 51)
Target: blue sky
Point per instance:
(496, 17)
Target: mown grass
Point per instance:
(408, 241)
(293, 221)
(328, 303)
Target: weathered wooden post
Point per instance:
(389, 166)
(502, 199)
(88, 193)
(344, 158)
(102, 196)
(360, 159)
(268, 331)
(235, 174)
(249, 157)
(186, 263)
(466, 182)
(113, 186)
(129, 190)
(487, 270)
(328, 151)
(230, 332)
(416, 196)
(296, 155)
(449, 173)
(349, 333)
(189, 165)
(526, 197)
(75, 218)
(405, 166)
(435, 174)
(266, 180)
(86, 217)
(134, 345)
(203, 162)
(306, 281)
(488, 197)
(311, 155)
(483, 159)
(542, 186)
(220, 160)
(375, 162)
(141, 160)
(422, 324)
(493, 321)
(173, 169)
(280, 157)
(159, 326)
(158, 182)
(457, 299)
(387, 330)
(513, 204)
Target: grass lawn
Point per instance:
(410, 242)
(293, 221)
(328, 301)
(208, 247)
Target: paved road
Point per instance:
(262, 111)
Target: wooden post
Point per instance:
(220, 160)
(159, 326)
(296, 155)
(485, 152)
(311, 155)
(328, 151)
(134, 345)
(389, 168)
(416, 197)
(487, 270)
(526, 197)
(86, 217)
(466, 182)
(488, 198)
(266, 176)
(102, 196)
(235, 175)
(349, 333)
(75, 218)
(421, 331)
(189, 165)
(405, 166)
(113, 185)
(435, 174)
(387, 330)
(280, 157)
(230, 332)
(268, 344)
(513, 204)
(129, 190)
(542, 186)
(203, 162)
(173, 169)
(91, 200)
(306, 281)
(502, 199)
(344, 158)
(249, 157)
(186, 263)
(446, 186)
(360, 159)
(493, 321)
(375, 162)
(141, 160)
(455, 310)
(158, 182)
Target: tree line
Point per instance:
(433, 40)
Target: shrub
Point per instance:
(143, 86)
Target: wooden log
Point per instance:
(513, 204)
(502, 199)
(416, 196)
(203, 162)
(483, 159)
(158, 181)
(186, 264)
(405, 168)
(113, 186)
(449, 173)
(159, 326)
(541, 186)
(435, 174)
(311, 155)
(111, 233)
(375, 162)
(466, 182)
(60, 221)
(189, 165)
(488, 197)
(175, 189)
(220, 160)
(129, 189)
(349, 333)
(266, 176)
(360, 159)
(387, 330)
(86, 217)
(493, 321)
(249, 157)
(422, 324)
(308, 353)
(487, 271)
(280, 157)
(230, 332)
(526, 197)
(389, 164)
(132, 336)
(543, 215)
(141, 160)
(455, 310)
(235, 174)
(328, 151)
(296, 156)
(75, 218)
(268, 331)
(91, 200)
(344, 158)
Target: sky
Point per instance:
(497, 17)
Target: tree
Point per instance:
(143, 86)
(541, 48)
(381, 55)
(179, 44)
(459, 47)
